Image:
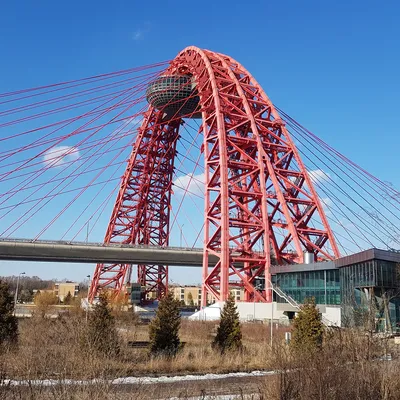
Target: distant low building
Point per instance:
(135, 291)
(188, 295)
(62, 289)
(192, 295)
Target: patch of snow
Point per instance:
(132, 380)
(254, 396)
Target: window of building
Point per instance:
(324, 286)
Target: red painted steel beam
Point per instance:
(142, 209)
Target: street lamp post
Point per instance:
(16, 291)
(254, 307)
(272, 320)
(87, 230)
(272, 313)
(257, 287)
(87, 305)
(181, 235)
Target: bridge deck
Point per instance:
(81, 252)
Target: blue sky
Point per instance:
(332, 65)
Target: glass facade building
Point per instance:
(323, 285)
(136, 292)
(364, 284)
(371, 291)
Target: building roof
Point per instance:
(367, 255)
(319, 266)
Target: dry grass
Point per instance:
(52, 349)
(348, 366)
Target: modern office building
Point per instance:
(361, 289)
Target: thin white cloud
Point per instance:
(318, 176)
(138, 34)
(141, 31)
(60, 155)
(326, 203)
(134, 121)
(131, 125)
(192, 183)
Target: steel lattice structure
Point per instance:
(259, 198)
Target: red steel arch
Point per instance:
(259, 197)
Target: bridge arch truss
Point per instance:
(260, 201)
